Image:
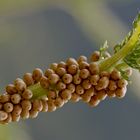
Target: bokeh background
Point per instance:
(35, 33)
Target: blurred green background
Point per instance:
(35, 33)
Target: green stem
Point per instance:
(115, 60)
(117, 57)
(38, 91)
(122, 66)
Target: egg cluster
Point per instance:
(72, 80)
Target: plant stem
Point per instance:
(122, 66)
(38, 91)
(115, 60)
(117, 57)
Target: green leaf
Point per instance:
(133, 58)
(124, 75)
(103, 49)
(117, 48)
(128, 50)
(136, 23)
